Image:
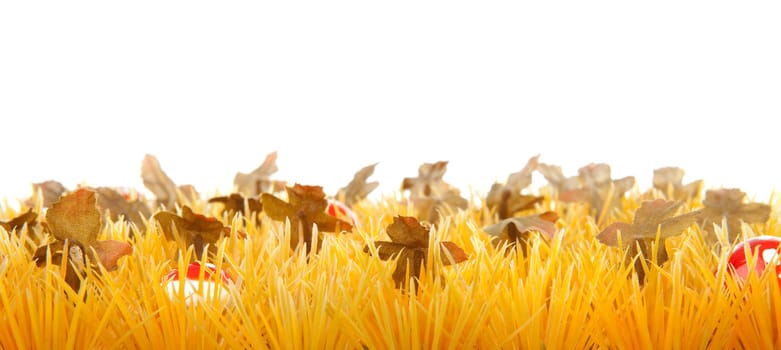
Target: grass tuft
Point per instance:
(569, 292)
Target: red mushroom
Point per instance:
(766, 252)
(195, 289)
(341, 211)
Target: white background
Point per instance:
(87, 88)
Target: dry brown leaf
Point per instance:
(523, 178)
(429, 182)
(652, 218)
(75, 216)
(75, 221)
(408, 264)
(259, 180)
(165, 189)
(407, 231)
(599, 187)
(506, 199)
(669, 180)
(728, 203)
(430, 194)
(188, 194)
(50, 192)
(596, 187)
(358, 188)
(76, 260)
(507, 203)
(29, 218)
(409, 241)
(450, 253)
(236, 203)
(429, 209)
(513, 230)
(195, 229)
(306, 206)
(556, 178)
(118, 205)
(158, 182)
(109, 251)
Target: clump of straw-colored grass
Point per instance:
(570, 292)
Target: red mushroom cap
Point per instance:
(194, 270)
(341, 211)
(766, 249)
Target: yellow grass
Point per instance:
(567, 293)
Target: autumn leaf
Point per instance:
(259, 180)
(507, 203)
(194, 229)
(506, 199)
(429, 208)
(409, 242)
(556, 178)
(188, 193)
(728, 203)
(117, 205)
(358, 188)
(430, 194)
(28, 218)
(236, 203)
(76, 259)
(50, 192)
(652, 218)
(517, 229)
(157, 181)
(164, 189)
(75, 222)
(669, 180)
(306, 206)
(596, 187)
(429, 181)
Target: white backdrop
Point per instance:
(87, 88)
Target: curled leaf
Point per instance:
(307, 206)
(657, 216)
(259, 180)
(515, 228)
(448, 250)
(408, 231)
(75, 222)
(429, 208)
(119, 206)
(75, 217)
(428, 182)
(236, 203)
(50, 192)
(652, 219)
(195, 229)
(506, 199)
(595, 186)
(669, 180)
(29, 218)
(109, 251)
(409, 242)
(358, 188)
(408, 265)
(164, 189)
(729, 204)
(556, 178)
(599, 187)
(430, 194)
(74, 271)
(157, 181)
